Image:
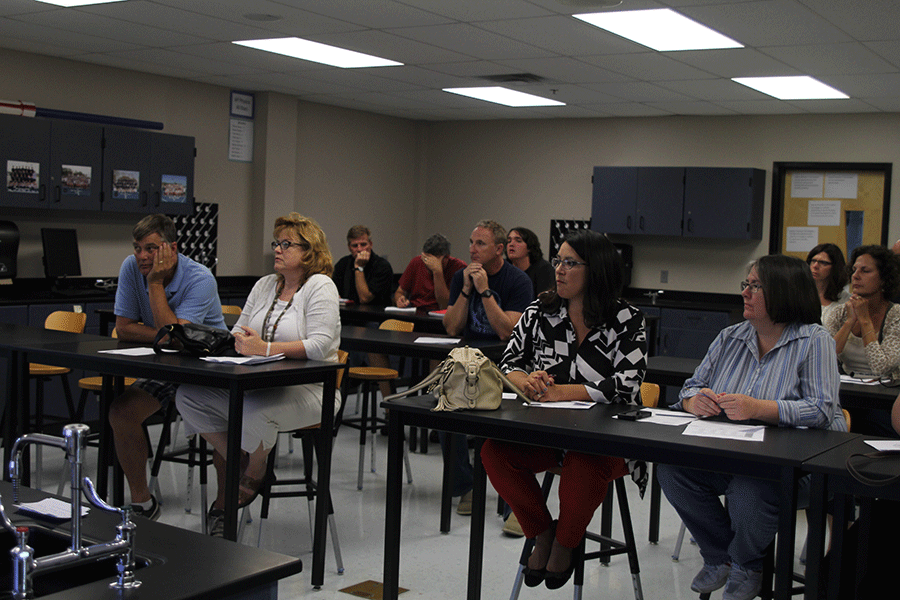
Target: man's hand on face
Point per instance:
(164, 263)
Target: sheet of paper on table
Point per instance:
(578, 404)
(728, 431)
(137, 351)
(436, 340)
(662, 416)
(243, 360)
(883, 445)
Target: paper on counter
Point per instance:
(882, 445)
(728, 431)
(858, 381)
(662, 416)
(51, 507)
(437, 340)
(136, 351)
(243, 360)
(579, 404)
(407, 309)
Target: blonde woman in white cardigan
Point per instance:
(294, 312)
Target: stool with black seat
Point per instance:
(608, 546)
(60, 320)
(368, 421)
(308, 488)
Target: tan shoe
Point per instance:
(465, 504)
(511, 526)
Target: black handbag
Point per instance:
(196, 339)
(888, 460)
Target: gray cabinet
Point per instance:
(678, 201)
(60, 164)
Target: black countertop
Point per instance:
(685, 300)
(185, 564)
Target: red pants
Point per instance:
(582, 486)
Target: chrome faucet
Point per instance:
(25, 565)
(654, 295)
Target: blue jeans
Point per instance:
(739, 533)
(463, 479)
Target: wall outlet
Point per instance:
(664, 277)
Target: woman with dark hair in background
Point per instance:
(866, 328)
(829, 271)
(523, 249)
(778, 366)
(579, 342)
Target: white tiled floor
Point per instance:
(433, 565)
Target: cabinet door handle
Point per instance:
(628, 223)
(144, 198)
(690, 225)
(57, 194)
(641, 223)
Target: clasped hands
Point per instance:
(539, 386)
(478, 277)
(737, 407)
(248, 343)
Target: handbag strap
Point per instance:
(161, 334)
(873, 456)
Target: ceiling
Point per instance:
(852, 45)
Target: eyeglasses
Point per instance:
(567, 263)
(285, 244)
(821, 263)
(754, 287)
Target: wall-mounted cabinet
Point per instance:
(59, 164)
(706, 202)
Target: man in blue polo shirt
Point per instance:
(157, 287)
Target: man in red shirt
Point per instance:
(426, 281)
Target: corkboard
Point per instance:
(846, 204)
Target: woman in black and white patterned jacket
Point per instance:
(581, 342)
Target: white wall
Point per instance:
(408, 179)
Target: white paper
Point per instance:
(882, 445)
(824, 213)
(662, 416)
(856, 380)
(437, 340)
(240, 140)
(136, 351)
(841, 185)
(408, 309)
(52, 507)
(728, 431)
(801, 239)
(807, 185)
(579, 404)
(243, 360)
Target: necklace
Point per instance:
(270, 337)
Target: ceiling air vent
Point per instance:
(514, 78)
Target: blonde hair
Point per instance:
(318, 256)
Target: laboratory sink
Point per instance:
(46, 542)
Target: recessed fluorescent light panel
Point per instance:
(662, 29)
(71, 3)
(320, 53)
(501, 95)
(792, 88)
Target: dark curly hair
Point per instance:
(886, 262)
(837, 279)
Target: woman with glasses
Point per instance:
(292, 312)
(829, 271)
(579, 342)
(866, 328)
(779, 367)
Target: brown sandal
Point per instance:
(249, 489)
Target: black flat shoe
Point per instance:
(554, 580)
(534, 577)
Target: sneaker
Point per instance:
(151, 513)
(710, 578)
(743, 584)
(465, 504)
(215, 522)
(511, 526)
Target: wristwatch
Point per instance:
(486, 293)
(464, 294)
(360, 269)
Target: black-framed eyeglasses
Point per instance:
(754, 287)
(567, 263)
(285, 244)
(822, 263)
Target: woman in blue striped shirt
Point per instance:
(778, 366)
